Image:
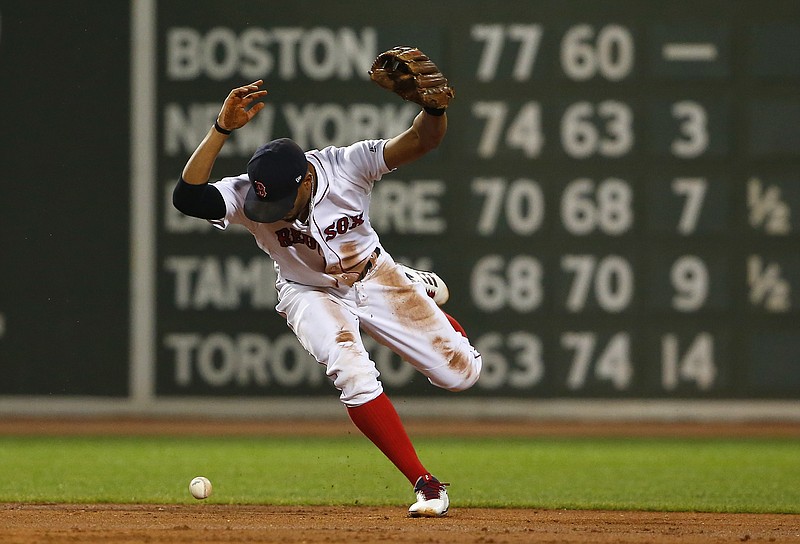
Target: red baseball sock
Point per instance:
(379, 422)
(456, 325)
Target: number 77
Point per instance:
(529, 37)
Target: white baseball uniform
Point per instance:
(325, 305)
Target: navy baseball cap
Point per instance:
(276, 171)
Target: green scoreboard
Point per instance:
(616, 206)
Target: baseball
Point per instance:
(200, 487)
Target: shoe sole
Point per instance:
(427, 514)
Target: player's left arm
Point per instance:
(192, 194)
(424, 135)
(237, 110)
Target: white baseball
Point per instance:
(200, 487)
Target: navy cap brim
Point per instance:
(262, 211)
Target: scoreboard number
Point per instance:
(523, 133)
(694, 191)
(612, 136)
(612, 363)
(522, 370)
(522, 202)
(611, 279)
(515, 283)
(608, 52)
(605, 206)
(693, 140)
(695, 364)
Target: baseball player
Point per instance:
(310, 212)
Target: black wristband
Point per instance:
(220, 129)
(434, 111)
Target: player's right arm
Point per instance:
(193, 195)
(424, 135)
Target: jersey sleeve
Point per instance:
(233, 191)
(365, 162)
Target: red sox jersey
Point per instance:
(337, 235)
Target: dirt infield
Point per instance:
(27, 524)
(157, 524)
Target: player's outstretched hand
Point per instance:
(235, 112)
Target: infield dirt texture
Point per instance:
(155, 524)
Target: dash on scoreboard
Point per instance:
(689, 52)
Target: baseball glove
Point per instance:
(409, 72)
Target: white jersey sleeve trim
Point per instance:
(233, 191)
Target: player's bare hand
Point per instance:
(238, 108)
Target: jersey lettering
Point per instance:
(342, 225)
(288, 237)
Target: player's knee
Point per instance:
(465, 383)
(355, 375)
(357, 389)
(463, 373)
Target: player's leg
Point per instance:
(436, 288)
(378, 420)
(398, 313)
(330, 333)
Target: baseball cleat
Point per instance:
(434, 285)
(432, 500)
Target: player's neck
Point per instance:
(313, 181)
(303, 217)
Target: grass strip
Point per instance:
(713, 475)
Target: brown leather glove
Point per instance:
(409, 72)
